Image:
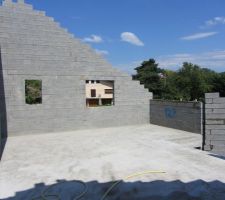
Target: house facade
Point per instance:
(44, 79)
(99, 93)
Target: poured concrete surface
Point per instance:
(100, 156)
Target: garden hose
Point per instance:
(129, 177)
(44, 195)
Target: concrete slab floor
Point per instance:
(98, 157)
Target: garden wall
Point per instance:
(185, 116)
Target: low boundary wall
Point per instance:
(185, 116)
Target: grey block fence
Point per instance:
(185, 116)
(214, 139)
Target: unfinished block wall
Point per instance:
(34, 46)
(185, 116)
(214, 123)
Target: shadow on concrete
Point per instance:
(3, 114)
(155, 190)
(218, 156)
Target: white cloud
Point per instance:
(101, 52)
(214, 60)
(199, 36)
(131, 38)
(93, 39)
(215, 21)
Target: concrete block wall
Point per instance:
(34, 46)
(185, 116)
(214, 123)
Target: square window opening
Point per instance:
(33, 92)
(100, 94)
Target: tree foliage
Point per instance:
(219, 84)
(189, 83)
(33, 91)
(149, 75)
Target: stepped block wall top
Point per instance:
(35, 47)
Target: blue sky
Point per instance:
(127, 32)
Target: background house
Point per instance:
(99, 93)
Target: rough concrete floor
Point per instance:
(97, 157)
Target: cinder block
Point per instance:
(208, 110)
(219, 100)
(215, 122)
(218, 111)
(218, 106)
(211, 95)
(208, 100)
(215, 127)
(215, 137)
(220, 131)
(215, 116)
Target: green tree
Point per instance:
(190, 82)
(170, 90)
(150, 75)
(219, 84)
